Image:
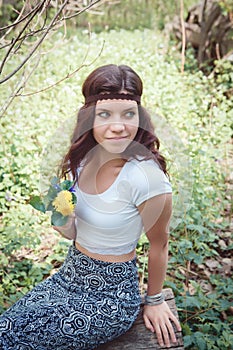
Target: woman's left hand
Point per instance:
(158, 319)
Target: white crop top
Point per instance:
(110, 222)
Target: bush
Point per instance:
(192, 116)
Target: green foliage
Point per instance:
(192, 114)
(204, 312)
(224, 76)
(19, 277)
(227, 6)
(132, 14)
(37, 203)
(45, 203)
(9, 13)
(127, 14)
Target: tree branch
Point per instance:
(183, 35)
(69, 75)
(32, 33)
(46, 30)
(81, 11)
(203, 12)
(37, 44)
(19, 86)
(17, 21)
(214, 14)
(18, 38)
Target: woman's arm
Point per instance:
(156, 214)
(69, 229)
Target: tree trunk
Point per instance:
(208, 30)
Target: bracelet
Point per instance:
(154, 299)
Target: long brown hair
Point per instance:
(114, 79)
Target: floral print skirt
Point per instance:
(86, 303)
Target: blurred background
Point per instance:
(183, 51)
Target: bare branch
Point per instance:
(17, 21)
(19, 87)
(34, 32)
(55, 21)
(10, 29)
(81, 11)
(44, 8)
(183, 35)
(18, 37)
(37, 44)
(69, 75)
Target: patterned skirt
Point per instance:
(86, 303)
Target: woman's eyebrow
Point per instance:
(109, 110)
(102, 109)
(130, 109)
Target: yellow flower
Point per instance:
(63, 203)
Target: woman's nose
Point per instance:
(117, 126)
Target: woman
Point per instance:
(122, 188)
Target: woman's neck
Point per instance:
(103, 157)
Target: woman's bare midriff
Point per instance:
(107, 258)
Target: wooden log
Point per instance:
(139, 337)
(208, 29)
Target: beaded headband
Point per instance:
(112, 96)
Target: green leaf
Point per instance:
(57, 219)
(38, 204)
(66, 185)
(74, 198)
(192, 256)
(54, 180)
(197, 228)
(200, 340)
(188, 340)
(50, 196)
(50, 206)
(52, 192)
(191, 301)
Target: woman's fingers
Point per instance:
(159, 334)
(148, 324)
(165, 334)
(169, 334)
(176, 322)
(159, 320)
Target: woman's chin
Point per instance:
(115, 147)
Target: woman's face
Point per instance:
(116, 124)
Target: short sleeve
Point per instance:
(147, 180)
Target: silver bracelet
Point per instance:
(154, 299)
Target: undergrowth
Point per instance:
(192, 114)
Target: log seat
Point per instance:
(139, 337)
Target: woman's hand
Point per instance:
(158, 319)
(68, 230)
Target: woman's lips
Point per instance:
(117, 138)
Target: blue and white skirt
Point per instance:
(86, 303)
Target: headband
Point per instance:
(112, 96)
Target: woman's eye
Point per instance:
(103, 114)
(130, 114)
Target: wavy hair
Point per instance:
(115, 79)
